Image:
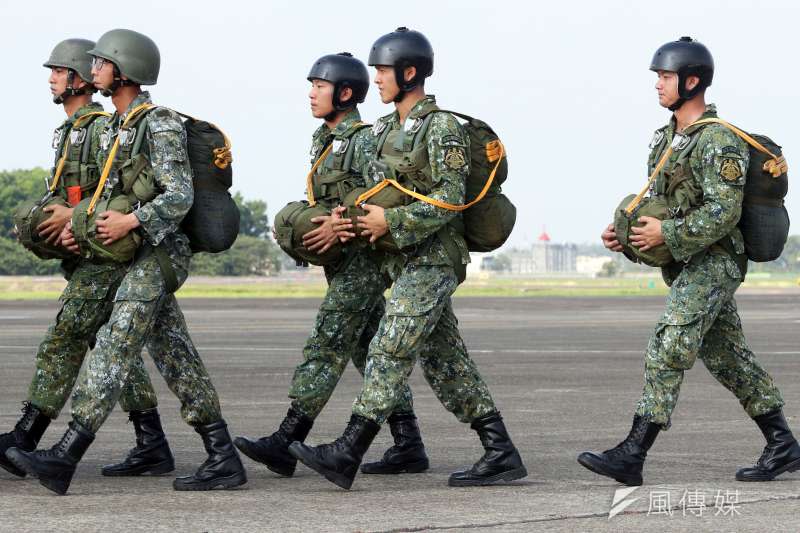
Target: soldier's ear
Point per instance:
(409, 73)
(346, 94)
(691, 82)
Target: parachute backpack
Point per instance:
(29, 215)
(490, 216)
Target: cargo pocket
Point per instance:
(679, 336)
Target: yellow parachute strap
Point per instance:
(495, 151)
(110, 159)
(222, 155)
(775, 166)
(661, 162)
(60, 167)
(309, 183)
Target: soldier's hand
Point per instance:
(67, 239)
(321, 239)
(52, 227)
(373, 224)
(609, 237)
(648, 235)
(113, 225)
(342, 226)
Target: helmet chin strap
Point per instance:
(116, 84)
(70, 90)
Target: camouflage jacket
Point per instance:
(62, 132)
(363, 142)
(172, 174)
(415, 225)
(718, 167)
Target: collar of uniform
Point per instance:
(710, 112)
(141, 98)
(347, 122)
(421, 106)
(91, 107)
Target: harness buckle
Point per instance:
(680, 141)
(76, 137)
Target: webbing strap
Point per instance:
(493, 149)
(110, 159)
(775, 166)
(638, 199)
(77, 123)
(309, 179)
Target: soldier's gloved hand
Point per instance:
(113, 225)
(342, 226)
(67, 239)
(609, 238)
(322, 238)
(648, 235)
(373, 224)
(52, 227)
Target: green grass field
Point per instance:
(35, 288)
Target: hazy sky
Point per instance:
(565, 84)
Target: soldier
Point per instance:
(708, 166)
(88, 298)
(144, 305)
(419, 320)
(353, 305)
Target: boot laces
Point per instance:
(27, 416)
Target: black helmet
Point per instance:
(71, 54)
(401, 49)
(342, 70)
(686, 57)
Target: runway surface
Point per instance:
(565, 372)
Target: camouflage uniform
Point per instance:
(85, 305)
(701, 319)
(353, 306)
(419, 320)
(143, 309)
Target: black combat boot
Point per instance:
(339, 460)
(25, 435)
(625, 461)
(56, 466)
(408, 453)
(223, 469)
(781, 454)
(151, 453)
(273, 451)
(501, 460)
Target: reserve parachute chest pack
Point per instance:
(329, 182)
(211, 224)
(764, 221)
(488, 217)
(74, 176)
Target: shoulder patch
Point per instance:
(454, 157)
(729, 169)
(730, 150)
(452, 140)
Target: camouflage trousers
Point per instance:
(419, 324)
(145, 313)
(701, 321)
(86, 304)
(346, 323)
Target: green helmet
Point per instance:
(73, 54)
(133, 54)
